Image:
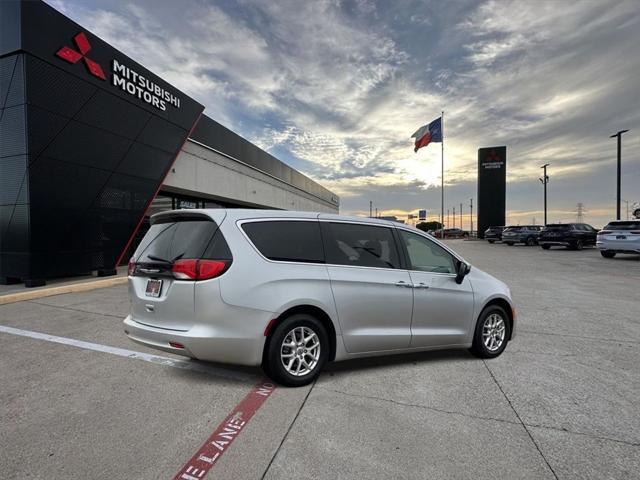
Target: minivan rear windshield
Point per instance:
(623, 225)
(169, 241)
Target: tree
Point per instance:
(426, 226)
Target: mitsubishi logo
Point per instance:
(73, 56)
(493, 157)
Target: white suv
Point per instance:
(293, 290)
(619, 236)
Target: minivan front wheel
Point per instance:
(297, 350)
(492, 332)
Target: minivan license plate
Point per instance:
(153, 288)
(621, 237)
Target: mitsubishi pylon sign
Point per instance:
(492, 177)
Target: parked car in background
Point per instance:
(452, 233)
(575, 236)
(493, 234)
(527, 234)
(620, 236)
(293, 290)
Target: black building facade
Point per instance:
(87, 136)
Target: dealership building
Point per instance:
(92, 144)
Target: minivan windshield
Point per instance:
(623, 225)
(168, 242)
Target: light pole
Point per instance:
(454, 217)
(471, 215)
(545, 180)
(619, 136)
(447, 218)
(460, 215)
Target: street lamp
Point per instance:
(545, 180)
(619, 136)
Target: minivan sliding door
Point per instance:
(373, 295)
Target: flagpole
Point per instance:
(442, 179)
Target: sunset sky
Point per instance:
(335, 89)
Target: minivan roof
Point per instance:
(249, 213)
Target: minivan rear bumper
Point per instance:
(203, 342)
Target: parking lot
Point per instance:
(561, 402)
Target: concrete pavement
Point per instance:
(561, 402)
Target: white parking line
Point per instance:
(193, 366)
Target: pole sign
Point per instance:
(492, 177)
(422, 214)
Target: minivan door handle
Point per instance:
(402, 283)
(421, 285)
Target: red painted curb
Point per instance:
(224, 435)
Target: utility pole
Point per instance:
(442, 175)
(619, 136)
(580, 211)
(376, 212)
(460, 215)
(370, 209)
(545, 180)
(454, 217)
(471, 214)
(447, 218)
(627, 202)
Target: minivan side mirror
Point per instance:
(462, 269)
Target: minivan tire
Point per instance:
(607, 253)
(273, 363)
(545, 246)
(491, 241)
(531, 242)
(478, 348)
(578, 245)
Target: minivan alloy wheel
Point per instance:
(493, 332)
(300, 351)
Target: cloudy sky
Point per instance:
(336, 88)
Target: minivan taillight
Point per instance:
(132, 267)
(191, 269)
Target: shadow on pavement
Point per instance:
(368, 363)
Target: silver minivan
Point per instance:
(291, 291)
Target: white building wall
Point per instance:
(202, 172)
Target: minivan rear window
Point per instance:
(623, 225)
(360, 245)
(287, 240)
(173, 240)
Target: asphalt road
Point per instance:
(561, 402)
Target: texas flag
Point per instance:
(428, 133)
